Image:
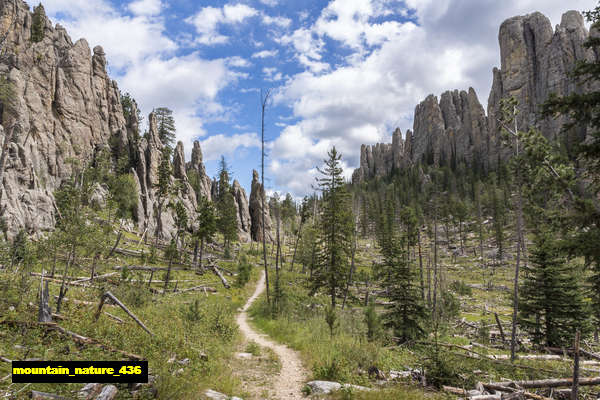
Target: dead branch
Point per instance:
(109, 295)
(89, 341)
(551, 383)
(215, 269)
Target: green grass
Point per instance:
(191, 325)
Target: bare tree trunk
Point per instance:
(429, 280)
(201, 254)
(54, 260)
(575, 389)
(117, 241)
(421, 265)
(264, 99)
(351, 271)
(63, 286)
(170, 265)
(196, 245)
(312, 260)
(277, 261)
(296, 244)
(513, 335)
(94, 262)
(435, 267)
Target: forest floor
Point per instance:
(290, 380)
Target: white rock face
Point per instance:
(535, 62)
(67, 109)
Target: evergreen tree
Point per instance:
(331, 268)
(38, 24)
(181, 220)
(166, 125)
(164, 188)
(582, 108)
(407, 313)
(552, 307)
(123, 197)
(227, 212)
(207, 227)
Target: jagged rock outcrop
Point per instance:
(196, 165)
(243, 211)
(257, 194)
(535, 62)
(67, 107)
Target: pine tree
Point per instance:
(164, 188)
(407, 313)
(331, 267)
(227, 220)
(207, 227)
(166, 125)
(582, 109)
(123, 197)
(552, 307)
(38, 24)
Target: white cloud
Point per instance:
(308, 48)
(393, 65)
(217, 145)
(208, 19)
(239, 62)
(126, 40)
(188, 85)
(272, 74)
(270, 3)
(279, 21)
(265, 53)
(146, 7)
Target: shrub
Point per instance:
(461, 288)
(373, 323)
(244, 269)
(332, 320)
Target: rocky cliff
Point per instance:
(67, 108)
(257, 200)
(535, 62)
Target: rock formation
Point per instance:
(535, 62)
(66, 107)
(243, 211)
(257, 194)
(196, 165)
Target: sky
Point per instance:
(341, 72)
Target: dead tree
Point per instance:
(264, 100)
(44, 313)
(109, 295)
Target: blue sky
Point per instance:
(342, 72)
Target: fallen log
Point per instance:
(109, 295)
(551, 383)
(55, 280)
(585, 353)
(205, 288)
(86, 303)
(508, 389)
(215, 269)
(89, 341)
(35, 395)
(147, 268)
(96, 278)
(476, 355)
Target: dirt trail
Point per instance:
(288, 384)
